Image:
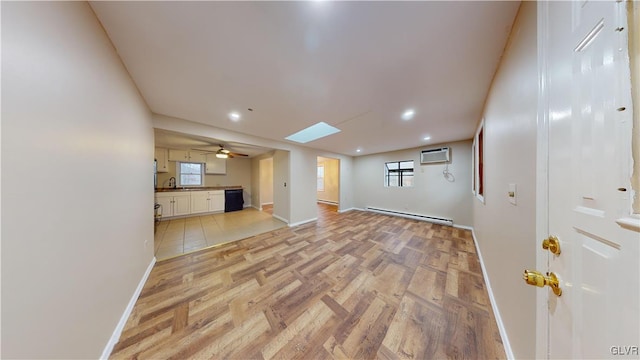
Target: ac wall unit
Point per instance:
(431, 156)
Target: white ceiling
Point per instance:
(354, 65)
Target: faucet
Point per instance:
(172, 182)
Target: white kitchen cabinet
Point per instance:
(196, 156)
(174, 203)
(187, 156)
(178, 155)
(215, 165)
(162, 160)
(216, 200)
(166, 206)
(182, 204)
(199, 202)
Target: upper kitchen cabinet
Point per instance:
(162, 159)
(196, 156)
(178, 155)
(187, 156)
(215, 165)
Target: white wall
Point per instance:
(431, 194)
(347, 181)
(506, 233)
(303, 185)
(331, 192)
(77, 195)
(281, 185)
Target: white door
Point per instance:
(589, 136)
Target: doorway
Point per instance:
(266, 185)
(328, 181)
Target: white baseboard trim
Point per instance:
(351, 209)
(465, 227)
(257, 208)
(494, 306)
(328, 202)
(246, 206)
(267, 203)
(280, 218)
(303, 222)
(127, 312)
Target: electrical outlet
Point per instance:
(512, 194)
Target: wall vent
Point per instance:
(432, 156)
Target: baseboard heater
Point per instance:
(328, 202)
(433, 219)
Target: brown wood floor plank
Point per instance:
(356, 285)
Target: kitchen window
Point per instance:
(190, 174)
(398, 174)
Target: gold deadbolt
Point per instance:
(552, 244)
(536, 278)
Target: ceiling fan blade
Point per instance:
(237, 154)
(205, 151)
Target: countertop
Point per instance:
(204, 188)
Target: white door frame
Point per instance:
(542, 180)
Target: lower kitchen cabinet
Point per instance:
(174, 203)
(216, 200)
(182, 203)
(199, 202)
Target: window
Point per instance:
(190, 174)
(320, 177)
(398, 173)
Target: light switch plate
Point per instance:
(512, 194)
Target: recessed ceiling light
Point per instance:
(408, 115)
(427, 138)
(234, 116)
(313, 132)
(358, 150)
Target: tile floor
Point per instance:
(181, 236)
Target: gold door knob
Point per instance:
(552, 244)
(536, 278)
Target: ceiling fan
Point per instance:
(223, 153)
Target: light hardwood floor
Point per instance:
(354, 285)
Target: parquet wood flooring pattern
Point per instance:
(357, 285)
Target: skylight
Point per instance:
(313, 132)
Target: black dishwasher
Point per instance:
(233, 200)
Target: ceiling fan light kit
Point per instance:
(223, 153)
